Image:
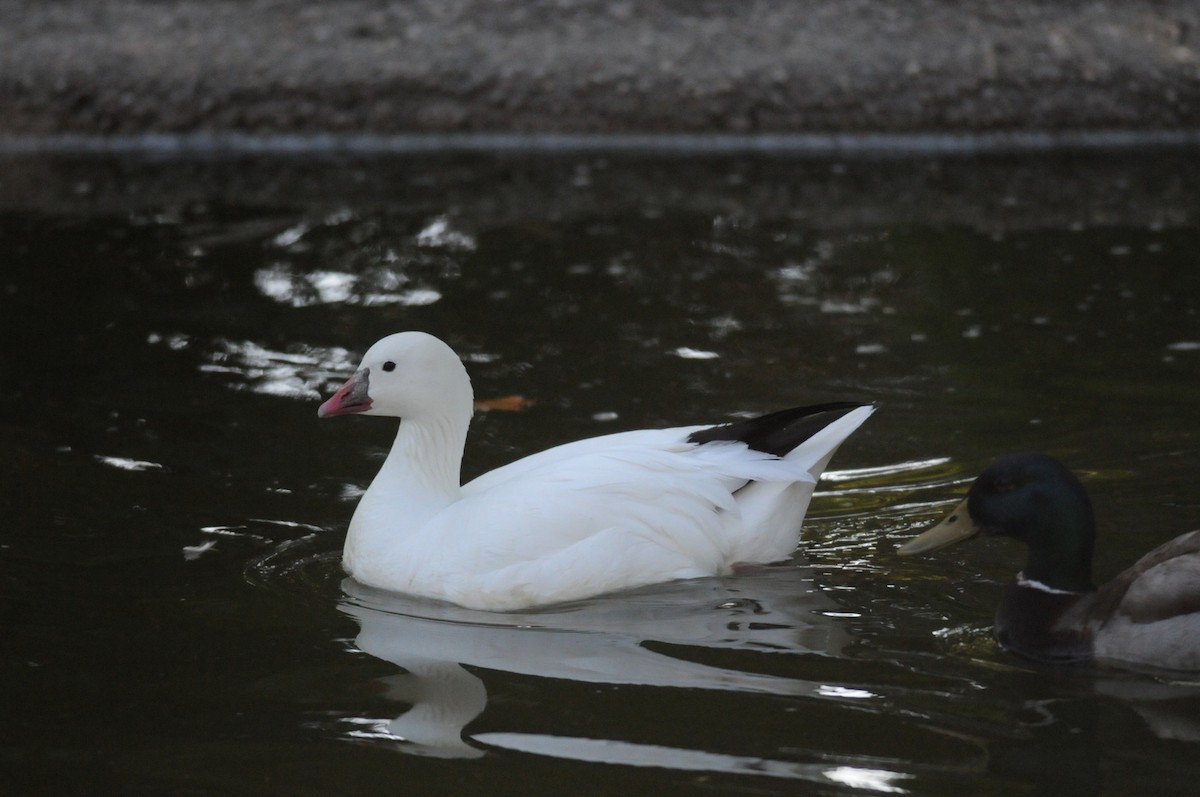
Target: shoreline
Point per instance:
(125, 68)
(665, 144)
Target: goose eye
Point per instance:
(389, 366)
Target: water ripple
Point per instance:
(301, 373)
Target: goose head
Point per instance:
(408, 375)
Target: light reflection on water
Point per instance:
(651, 637)
(284, 284)
(300, 374)
(166, 477)
(598, 641)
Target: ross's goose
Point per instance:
(581, 519)
(1149, 615)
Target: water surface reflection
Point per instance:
(174, 512)
(634, 638)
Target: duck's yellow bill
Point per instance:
(957, 526)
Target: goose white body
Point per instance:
(581, 519)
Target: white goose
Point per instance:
(594, 516)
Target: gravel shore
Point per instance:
(264, 67)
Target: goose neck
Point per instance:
(427, 455)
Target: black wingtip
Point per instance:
(778, 432)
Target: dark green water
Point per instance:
(176, 619)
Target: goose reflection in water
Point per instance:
(608, 640)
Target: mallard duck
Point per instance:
(589, 517)
(1149, 615)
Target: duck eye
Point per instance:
(389, 366)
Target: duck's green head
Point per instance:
(1032, 498)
